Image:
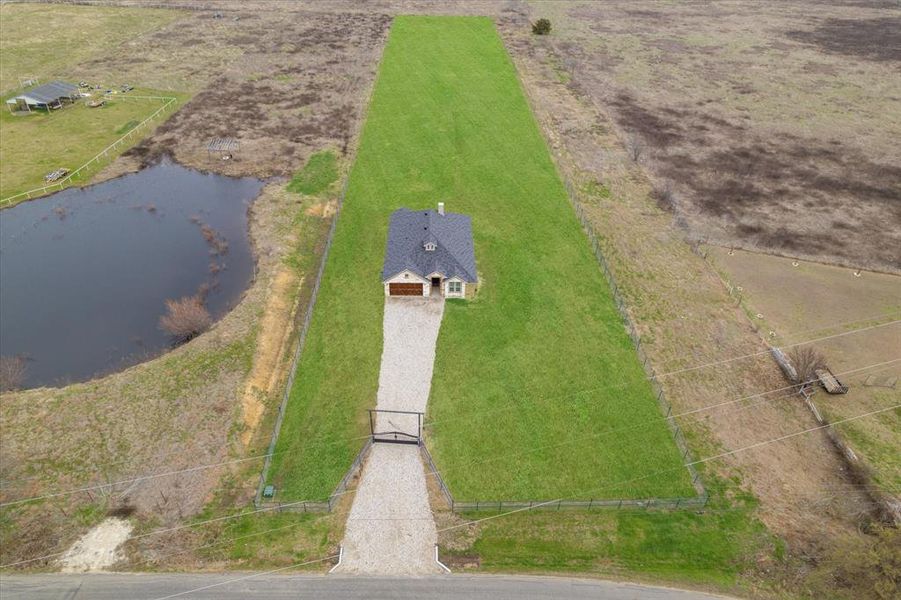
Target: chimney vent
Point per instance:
(441, 208)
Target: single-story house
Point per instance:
(46, 97)
(429, 252)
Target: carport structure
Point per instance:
(49, 96)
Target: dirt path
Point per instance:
(391, 530)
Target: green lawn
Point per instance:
(532, 362)
(721, 546)
(33, 145)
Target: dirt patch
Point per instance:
(272, 345)
(99, 548)
(279, 87)
(872, 39)
(323, 209)
(816, 300)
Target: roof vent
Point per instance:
(429, 246)
(441, 208)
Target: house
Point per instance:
(46, 97)
(429, 252)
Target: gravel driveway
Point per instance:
(391, 530)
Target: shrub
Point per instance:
(185, 318)
(541, 27)
(806, 360)
(634, 146)
(12, 373)
(861, 567)
(666, 196)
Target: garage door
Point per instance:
(405, 289)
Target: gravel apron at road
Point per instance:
(391, 530)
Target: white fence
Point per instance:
(104, 154)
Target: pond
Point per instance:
(85, 273)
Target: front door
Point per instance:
(436, 281)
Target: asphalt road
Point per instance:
(226, 586)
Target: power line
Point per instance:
(787, 336)
(642, 426)
(133, 480)
(175, 528)
(682, 466)
(734, 358)
(246, 577)
(296, 503)
(468, 417)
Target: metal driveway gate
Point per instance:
(395, 426)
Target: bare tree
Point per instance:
(806, 360)
(12, 373)
(185, 318)
(635, 147)
(666, 196)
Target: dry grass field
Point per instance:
(799, 301)
(687, 320)
(45, 42)
(765, 125)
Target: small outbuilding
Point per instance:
(47, 97)
(429, 252)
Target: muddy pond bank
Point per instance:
(85, 273)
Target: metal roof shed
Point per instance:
(47, 96)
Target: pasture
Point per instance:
(35, 144)
(535, 378)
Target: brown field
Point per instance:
(811, 301)
(774, 124)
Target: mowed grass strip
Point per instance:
(540, 358)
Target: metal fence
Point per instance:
(308, 316)
(329, 504)
(104, 154)
(693, 502)
(304, 328)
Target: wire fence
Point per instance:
(308, 316)
(689, 502)
(298, 351)
(596, 242)
(107, 154)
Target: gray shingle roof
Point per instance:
(49, 92)
(452, 233)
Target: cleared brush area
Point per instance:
(817, 300)
(540, 356)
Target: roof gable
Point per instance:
(451, 233)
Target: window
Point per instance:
(454, 288)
